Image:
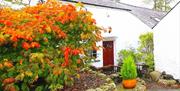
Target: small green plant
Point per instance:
(128, 70)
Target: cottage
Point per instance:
(167, 43)
(127, 23)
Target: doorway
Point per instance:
(108, 53)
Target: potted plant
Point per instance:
(128, 72)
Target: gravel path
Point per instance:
(163, 90)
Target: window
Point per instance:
(94, 53)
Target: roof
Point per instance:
(147, 16)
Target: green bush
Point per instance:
(146, 49)
(144, 52)
(128, 70)
(125, 53)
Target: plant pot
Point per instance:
(129, 84)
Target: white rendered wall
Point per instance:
(126, 29)
(167, 44)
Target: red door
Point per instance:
(108, 53)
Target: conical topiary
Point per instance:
(128, 70)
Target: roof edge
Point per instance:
(97, 5)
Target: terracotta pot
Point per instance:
(129, 84)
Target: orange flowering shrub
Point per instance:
(40, 46)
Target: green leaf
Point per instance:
(24, 87)
(39, 88)
(10, 74)
(17, 88)
(79, 4)
(65, 77)
(24, 21)
(19, 57)
(47, 36)
(2, 25)
(40, 72)
(59, 23)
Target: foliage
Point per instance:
(125, 53)
(146, 43)
(161, 5)
(40, 46)
(146, 49)
(144, 53)
(128, 70)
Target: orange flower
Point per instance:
(39, 18)
(12, 88)
(64, 64)
(62, 34)
(1, 21)
(8, 64)
(29, 38)
(8, 80)
(75, 52)
(35, 44)
(20, 62)
(1, 66)
(78, 61)
(66, 57)
(57, 72)
(44, 27)
(25, 45)
(8, 23)
(41, 31)
(45, 39)
(14, 38)
(2, 39)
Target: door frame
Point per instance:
(113, 39)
